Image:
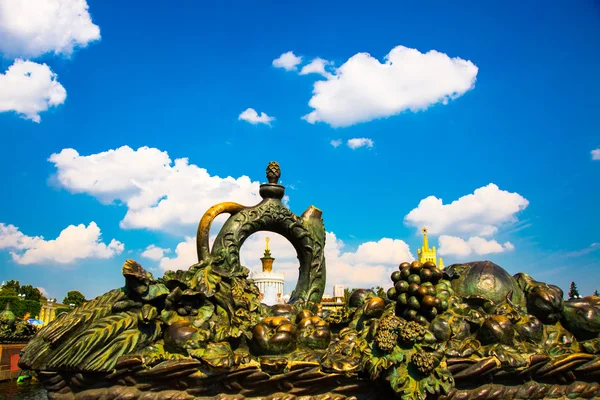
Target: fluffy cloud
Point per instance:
(155, 253)
(317, 66)
(360, 142)
(30, 28)
(596, 154)
(75, 242)
(363, 89)
(28, 88)
(159, 194)
(288, 61)
(336, 142)
(370, 265)
(250, 115)
(478, 214)
(452, 245)
(185, 256)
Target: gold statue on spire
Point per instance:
(267, 259)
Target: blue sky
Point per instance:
(501, 120)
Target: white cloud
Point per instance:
(155, 253)
(452, 245)
(28, 88)
(44, 292)
(596, 154)
(159, 194)
(185, 256)
(287, 61)
(250, 115)
(364, 89)
(479, 214)
(336, 142)
(30, 28)
(75, 242)
(317, 66)
(360, 142)
(370, 265)
(12, 238)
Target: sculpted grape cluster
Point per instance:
(418, 292)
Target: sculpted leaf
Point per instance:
(218, 355)
(206, 281)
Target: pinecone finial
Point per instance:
(273, 172)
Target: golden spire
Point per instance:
(425, 240)
(267, 259)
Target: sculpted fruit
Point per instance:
(546, 303)
(401, 286)
(530, 328)
(283, 310)
(582, 317)
(404, 265)
(303, 314)
(274, 335)
(415, 267)
(177, 334)
(414, 278)
(392, 294)
(359, 296)
(374, 307)
(314, 333)
(404, 273)
(496, 329)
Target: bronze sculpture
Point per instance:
(203, 333)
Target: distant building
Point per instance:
(426, 254)
(331, 303)
(338, 291)
(270, 284)
(48, 311)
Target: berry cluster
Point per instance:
(411, 332)
(424, 362)
(415, 291)
(387, 333)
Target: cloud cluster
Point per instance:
(317, 66)
(363, 88)
(478, 214)
(29, 88)
(159, 194)
(171, 196)
(155, 253)
(250, 115)
(466, 225)
(75, 242)
(288, 61)
(455, 246)
(596, 154)
(360, 142)
(32, 28)
(354, 143)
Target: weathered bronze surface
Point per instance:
(469, 332)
